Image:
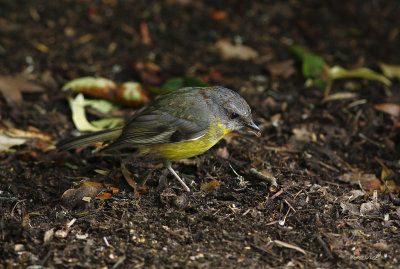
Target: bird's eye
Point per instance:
(234, 115)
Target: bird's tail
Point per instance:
(87, 139)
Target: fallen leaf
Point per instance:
(391, 109)
(48, 236)
(223, 152)
(62, 233)
(355, 194)
(13, 137)
(219, 14)
(312, 64)
(150, 73)
(386, 174)
(210, 186)
(145, 33)
(349, 208)
(85, 192)
(339, 96)
(370, 208)
(230, 51)
(369, 182)
(11, 88)
(7, 142)
(284, 69)
(304, 135)
(132, 94)
(338, 72)
(180, 82)
(107, 123)
(128, 177)
(77, 106)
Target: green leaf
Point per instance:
(70, 165)
(77, 106)
(311, 64)
(194, 82)
(173, 84)
(103, 106)
(107, 123)
(177, 83)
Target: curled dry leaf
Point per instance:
(130, 93)
(48, 236)
(77, 106)
(62, 233)
(96, 87)
(86, 191)
(13, 137)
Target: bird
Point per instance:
(177, 125)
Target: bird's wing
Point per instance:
(159, 126)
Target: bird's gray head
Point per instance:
(234, 110)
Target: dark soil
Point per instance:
(322, 154)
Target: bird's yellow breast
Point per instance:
(187, 149)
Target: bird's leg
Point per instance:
(167, 163)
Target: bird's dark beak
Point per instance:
(254, 128)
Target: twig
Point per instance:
(270, 180)
(324, 247)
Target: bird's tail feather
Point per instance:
(87, 139)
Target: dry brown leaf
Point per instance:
(223, 153)
(349, 208)
(229, 51)
(48, 236)
(370, 208)
(145, 33)
(128, 177)
(86, 191)
(284, 69)
(369, 182)
(304, 135)
(219, 14)
(12, 89)
(210, 186)
(339, 96)
(13, 137)
(392, 109)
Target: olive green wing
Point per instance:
(160, 127)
